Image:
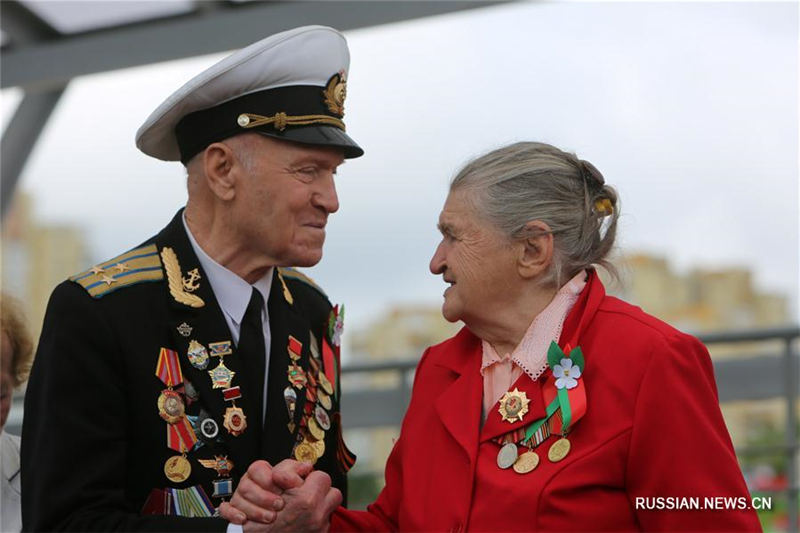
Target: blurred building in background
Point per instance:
(700, 300)
(36, 257)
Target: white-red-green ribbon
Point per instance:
(570, 402)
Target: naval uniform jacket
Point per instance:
(94, 444)
(652, 428)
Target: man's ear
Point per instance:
(219, 164)
(536, 252)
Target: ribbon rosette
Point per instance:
(566, 374)
(336, 325)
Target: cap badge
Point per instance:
(335, 93)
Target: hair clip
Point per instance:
(603, 207)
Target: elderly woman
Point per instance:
(16, 351)
(556, 407)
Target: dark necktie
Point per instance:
(253, 352)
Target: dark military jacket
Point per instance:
(95, 444)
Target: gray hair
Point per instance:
(527, 181)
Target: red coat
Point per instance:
(652, 429)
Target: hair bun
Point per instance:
(591, 174)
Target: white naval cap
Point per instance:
(291, 86)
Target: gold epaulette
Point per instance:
(290, 273)
(137, 266)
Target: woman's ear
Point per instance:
(219, 164)
(536, 252)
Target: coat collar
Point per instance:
(459, 405)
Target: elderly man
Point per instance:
(167, 374)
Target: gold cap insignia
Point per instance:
(335, 93)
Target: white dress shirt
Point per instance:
(233, 295)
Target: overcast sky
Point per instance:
(689, 109)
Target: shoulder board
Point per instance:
(291, 273)
(131, 268)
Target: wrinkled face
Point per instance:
(6, 378)
(476, 260)
(283, 200)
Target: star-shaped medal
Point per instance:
(513, 405)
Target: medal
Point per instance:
(514, 405)
(325, 384)
(526, 462)
(507, 455)
(221, 376)
(305, 453)
(559, 450)
(290, 397)
(313, 345)
(220, 463)
(296, 376)
(294, 348)
(170, 406)
(209, 428)
(177, 469)
(180, 434)
(235, 421)
(316, 432)
(319, 447)
(223, 488)
(322, 418)
(324, 400)
(198, 355)
(220, 349)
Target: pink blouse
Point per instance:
(530, 356)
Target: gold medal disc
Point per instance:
(305, 453)
(325, 383)
(319, 447)
(170, 406)
(177, 469)
(526, 462)
(559, 450)
(313, 428)
(324, 400)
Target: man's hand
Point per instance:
(305, 499)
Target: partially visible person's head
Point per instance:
(524, 182)
(16, 351)
(525, 212)
(261, 133)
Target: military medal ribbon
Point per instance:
(168, 368)
(180, 436)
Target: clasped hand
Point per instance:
(287, 497)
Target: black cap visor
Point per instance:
(319, 135)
